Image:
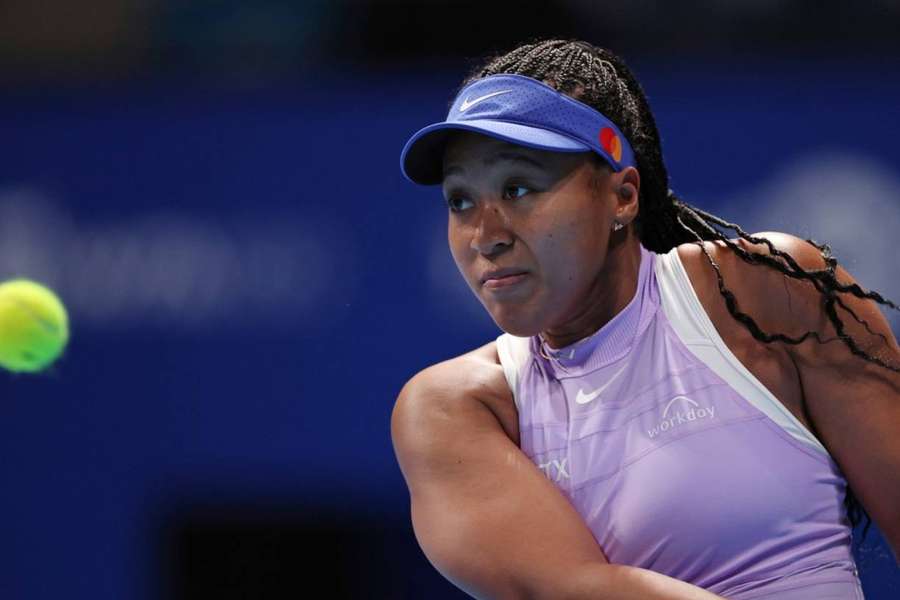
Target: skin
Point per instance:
(484, 515)
(553, 219)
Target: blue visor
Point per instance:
(519, 110)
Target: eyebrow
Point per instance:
(514, 157)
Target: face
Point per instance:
(545, 215)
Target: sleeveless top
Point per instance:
(678, 459)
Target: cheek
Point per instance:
(560, 245)
(459, 251)
(568, 252)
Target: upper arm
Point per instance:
(483, 513)
(853, 403)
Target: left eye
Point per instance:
(515, 191)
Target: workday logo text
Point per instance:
(683, 410)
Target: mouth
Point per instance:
(503, 280)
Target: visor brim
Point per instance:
(422, 158)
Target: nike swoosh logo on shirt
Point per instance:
(467, 104)
(583, 398)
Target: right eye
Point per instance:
(457, 203)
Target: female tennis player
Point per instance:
(671, 413)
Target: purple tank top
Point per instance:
(677, 457)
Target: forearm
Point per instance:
(620, 582)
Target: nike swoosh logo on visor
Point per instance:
(467, 104)
(583, 398)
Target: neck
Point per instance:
(609, 294)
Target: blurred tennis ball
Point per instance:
(34, 326)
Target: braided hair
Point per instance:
(600, 79)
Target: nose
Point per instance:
(492, 233)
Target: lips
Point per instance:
(500, 274)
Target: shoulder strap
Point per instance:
(514, 352)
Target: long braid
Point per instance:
(601, 79)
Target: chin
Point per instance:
(523, 333)
(514, 324)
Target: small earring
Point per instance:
(617, 226)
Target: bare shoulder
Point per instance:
(776, 301)
(804, 253)
(791, 305)
(453, 388)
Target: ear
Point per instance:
(627, 184)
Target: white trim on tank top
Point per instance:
(514, 352)
(690, 321)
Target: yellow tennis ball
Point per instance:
(34, 326)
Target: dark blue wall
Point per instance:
(251, 282)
